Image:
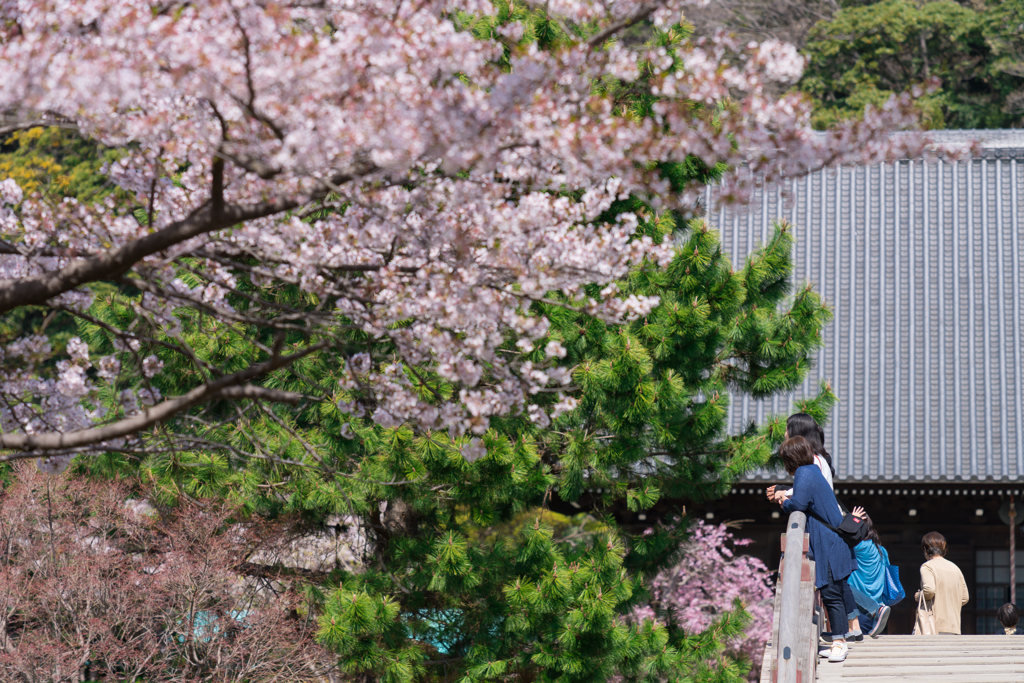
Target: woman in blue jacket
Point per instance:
(833, 558)
(868, 582)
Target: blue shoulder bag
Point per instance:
(892, 592)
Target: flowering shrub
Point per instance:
(712, 580)
(91, 585)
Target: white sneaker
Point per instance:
(838, 652)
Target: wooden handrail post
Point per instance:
(795, 649)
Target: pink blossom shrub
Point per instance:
(708, 582)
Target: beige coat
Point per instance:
(944, 587)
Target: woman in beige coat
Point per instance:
(942, 584)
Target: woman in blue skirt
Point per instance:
(833, 558)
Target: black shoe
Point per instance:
(854, 636)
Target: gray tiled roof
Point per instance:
(922, 264)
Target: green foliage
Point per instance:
(538, 28)
(867, 52)
(56, 161)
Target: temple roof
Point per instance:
(922, 265)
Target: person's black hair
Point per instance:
(1008, 615)
(802, 424)
(872, 533)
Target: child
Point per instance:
(1008, 615)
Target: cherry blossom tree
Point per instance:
(709, 584)
(415, 175)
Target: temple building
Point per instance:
(922, 265)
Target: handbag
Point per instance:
(852, 530)
(924, 623)
(892, 590)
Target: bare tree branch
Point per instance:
(13, 122)
(600, 37)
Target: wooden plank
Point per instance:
(807, 633)
(897, 661)
(948, 671)
(931, 652)
(929, 659)
(981, 647)
(956, 648)
(939, 650)
(939, 639)
(839, 673)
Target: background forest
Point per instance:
(861, 52)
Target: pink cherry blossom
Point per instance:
(151, 365)
(381, 158)
(10, 192)
(708, 583)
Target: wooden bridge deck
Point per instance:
(926, 659)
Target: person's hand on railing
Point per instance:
(776, 495)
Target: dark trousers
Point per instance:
(838, 600)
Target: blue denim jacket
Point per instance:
(831, 554)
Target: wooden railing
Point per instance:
(797, 622)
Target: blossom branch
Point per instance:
(234, 387)
(600, 37)
(37, 290)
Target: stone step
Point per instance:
(929, 659)
(899, 661)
